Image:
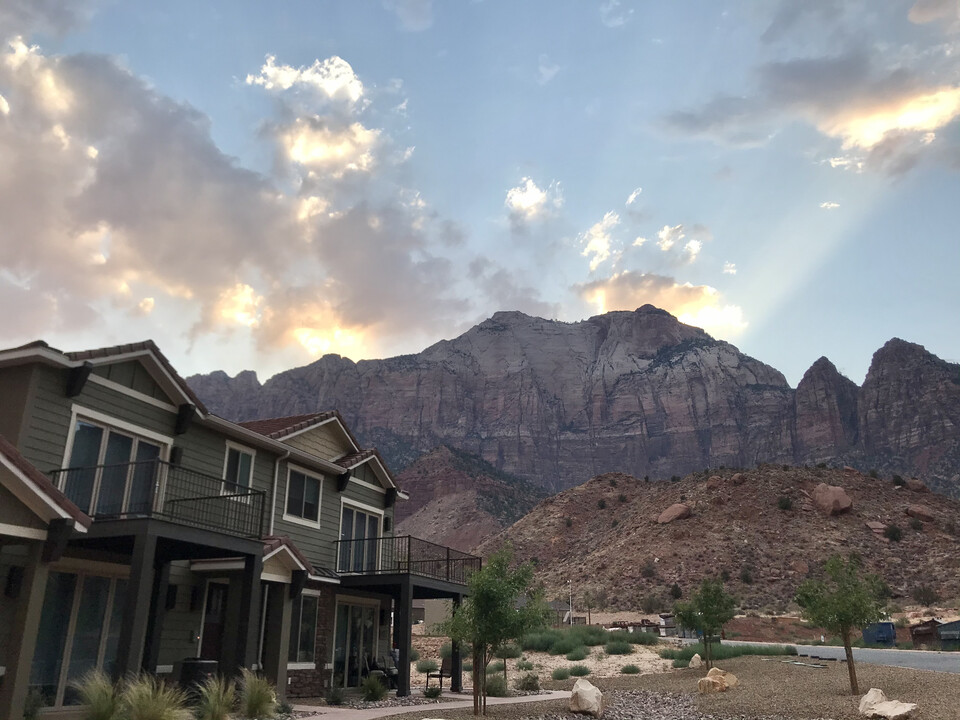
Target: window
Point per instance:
(303, 629)
(359, 531)
(303, 496)
(238, 469)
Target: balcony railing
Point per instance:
(157, 489)
(404, 555)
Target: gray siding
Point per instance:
(181, 625)
(14, 512)
(132, 374)
(323, 442)
(14, 394)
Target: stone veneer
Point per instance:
(316, 682)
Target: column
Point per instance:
(403, 636)
(456, 660)
(276, 636)
(242, 618)
(23, 634)
(136, 610)
(151, 651)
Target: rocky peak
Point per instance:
(826, 413)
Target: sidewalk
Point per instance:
(438, 710)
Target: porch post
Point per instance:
(151, 651)
(456, 660)
(403, 636)
(23, 634)
(276, 636)
(242, 618)
(136, 607)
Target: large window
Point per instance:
(303, 630)
(354, 643)
(303, 496)
(237, 469)
(359, 531)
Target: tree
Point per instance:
(843, 602)
(501, 606)
(707, 612)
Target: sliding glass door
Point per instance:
(359, 532)
(355, 644)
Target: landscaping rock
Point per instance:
(586, 698)
(875, 705)
(877, 527)
(711, 685)
(677, 511)
(728, 678)
(831, 499)
(921, 512)
(696, 661)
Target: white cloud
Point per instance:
(692, 249)
(597, 240)
(527, 202)
(669, 236)
(333, 78)
(613, 15)
(4, 106)
(414, 15)
(634, 196)
(729, 268)
(546, 70)
(639, 242)
(311, 144)
(829, 205)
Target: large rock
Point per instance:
(825, 407)
(586, 698)
(917, 485)
(831, 499)
(921, 512)
(696, 661)
(677, 511)
(876, 705)
(711, 685)
(728, 678)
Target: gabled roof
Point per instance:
(39, 485)
(349, 462)
(279, 428)
(277, 543)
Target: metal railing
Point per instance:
(404, 555)
(157, 489)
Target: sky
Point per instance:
(253, 185)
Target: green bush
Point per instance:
(643, 638)
(618, 647)
(622, 498)
(602, 504)
(432, 693)
(899, 481)
(874, 473)
(648, 570)
(495, 667)
(579, 653)
(563, 645)
(524, 665)
(568, 522)
(650, 603)
(372, 689)
(724, 652)
(916, 524)
(528, 683)
(560, 673)
(426, 666)
(784, 503)
(446, 650)
(893, 533)
(216, 698)
(630, 670)
(746, 575)
(925, 595)
(467, 666)
(335, 696)
(496, 686)
(414, 655)
(539, 641)
(508, 651)
(675, 592)
(149, 698)
(98, 693)
(258, 699)
(579, 670)
(681, 663)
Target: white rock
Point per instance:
(711, 685)
(586, 698)
(875, 705)
(696, 661)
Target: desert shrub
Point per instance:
(899, 481)
(746, 575)
(614, 522)
(724, 652)
(258, 699)
(284, 708)
(426, 666)
(784, 503)
(601, 503)
(650, 603)
(146, 697)
(893, 533)
(495, 667)
(674, 478)
(925, 595)
(675, 592)
(681, 663)
(98, 693)
(724, 575)
(446, 650)
(568, 522)
(916, 524)
(613, 482)
(508, 651)
(334, 696)
(579, 670)
(414, 655)
(560, 673)
(643, 638)
(433, 692)
(622, 497)
(539, 641)
(874, 473)
(524, 665)
(563, 645)
(646, 478)
(467, 666)
(648, 570)
(579, 653)
(589, 635)
(372, 689)
(496, 686)
(528, 683)
(618, 647)
(630, 670)
(216, 698)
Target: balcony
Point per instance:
(404, 555)
(157, 489)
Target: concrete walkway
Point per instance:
(438, 710)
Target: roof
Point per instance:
(42, 484)
(272, 543)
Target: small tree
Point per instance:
(707, 612)
(843, 602)
(501, 606)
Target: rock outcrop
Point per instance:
(677, 511)
(831, 499)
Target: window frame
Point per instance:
(299, 520)
(303, 664)
(369, 510)
(224, 490)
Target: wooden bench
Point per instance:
(446, 670)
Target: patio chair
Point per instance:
(446, 670)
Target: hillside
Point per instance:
(460, 501)
(605, 535)
(636, 392)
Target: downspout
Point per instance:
(276, 476)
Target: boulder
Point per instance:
(586, 698)
(921, 512)
(696, 661)
(800, 567)
(875, 705)
(728, 678)
(711, 685)
(677, 511)
(737, 478)
(877, 527)
(831, 499)
(917, 485)
(714, 482)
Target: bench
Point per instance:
(446, 670)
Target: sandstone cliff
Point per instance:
(637, 392)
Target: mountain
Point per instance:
(605, 535)
(459, 500)
(635, 392)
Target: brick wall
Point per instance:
(316, 682)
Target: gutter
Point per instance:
(276, 475)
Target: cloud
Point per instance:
(527, 202)
(597, 240)
(729, 268)
(639, 242)
(692, 249)
(699, 305)
(505, 290)
(926, 11)
(414, 15)
(613, 15)
(310, 143)
(634, 196)
(828, 205)
(56, 17)
(333, 78)
(669, 236)
(546, 70)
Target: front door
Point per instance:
(213, 613)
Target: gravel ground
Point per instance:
(391, 701)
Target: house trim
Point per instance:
(124, 390)
(79, 411)
(21, 531)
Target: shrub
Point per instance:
(784, 503)
(495, 667)
(284, 708)
(630, 670)
(622, 497)
(496, 686)
(925, 595)
(681, 663)
(873, 473)
(724, 652)
(649, 603)
(432, 693)
(579, 653)
(446, 650)
(648, 570)
(467, 666)
(560, 673)
(216, 698)
(746, 575)
(149, 698)
(579, 670)
(258, 699)
(335, 696)
(675, 592)
(414, 655)
(568, 522)
(915, 524)
(524, 665)
(372, 689)
(426, 666)
(613, 482)
(642, 638)
(899, 481)
(508, 651)
(893, 533)
(614, 523)
(601, 503)
(618, 647)
(528, 683)
(724, 575)
(674, 478)
(539, 641)
(33, 704)
(99, 694)
(563, 645)
(821, 466)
